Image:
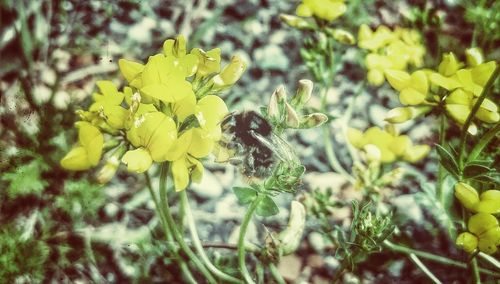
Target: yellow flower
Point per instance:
(230, 73)
(164, 80)
(132, 72)
(484, 233)
(177, 49)
(489, 202)
(474, 56)
(154, 134)
(208, 62)
(88, 153)
(403, 114)
(109, 103)
(467, 195)
(413, 88)
(327, 10)
(391, 146)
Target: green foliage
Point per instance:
(448, 161)
(26, 179)
(81, 199)
(21, 257)
(267, 207)
(245, 195)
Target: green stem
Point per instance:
(473, 112)
(424, 268)
(183, 265)
(173, 227)
(198, 245)
(490, 259)
(276, 274)
(241, 240)
(483, 142)
(330, 154)
(432, 257)
(475, 271)
(345, 121)
(441, 173)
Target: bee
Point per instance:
(249, 142)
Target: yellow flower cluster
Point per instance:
(386, 146)
(484, 230)
(327, 10)
(389, 49)
(463, 86)
(169, 112)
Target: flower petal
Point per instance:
(138, 160)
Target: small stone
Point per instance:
(377, 114)
(271, 57)
(111, 210)
(395, 268)
(209, 186)
(332, 262)
(41, 93)
(317, 241)
(61, 100)
(290, 267)
(315, 261)
(407, 208)
(323, 181)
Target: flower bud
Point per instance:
(292, 119)
(449, 65)
(480, 223)
(467, 195)
(490, 202)
(474, 56)
(313, 120)
(291, 236)
(343, 36)
(296, 22)
(303, 94)
(467, 241)
(108, 171)
(231, 72)
(400, 114)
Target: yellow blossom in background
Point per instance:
(390, 145)
(484, 233)
(88, 153)
(327, 10)
(389, 50)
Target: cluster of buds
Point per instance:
(394, 50)
(386, 145)
(169, 111)
(420, 90)
(283, 114)
(483, 228)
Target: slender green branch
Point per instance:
(424, 268)
(490, 259)
(241, 240)
(483, 142)
(441, 172)
(345, 122)
(433, 257)
(276, 274)
(170, 242)
(173, 227)
(198, 245)
(475, 271)
(473, 112)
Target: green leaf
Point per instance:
(475, 170)
(245, 195)
(26, 179)
(267, 207)
(447, 161)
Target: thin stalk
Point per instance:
(345, 121)
(475, 271)
(173, 227)
(433, 257)
(241, 240)
(182, 264)
(483, 142)
(441, 173)
(473, 112)
(276, 274)
(424, 268)
(197, 243)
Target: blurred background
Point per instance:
(62, 227)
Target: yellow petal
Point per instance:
(303, 11)
(76, 160)
(474, 56)
(416, 153)
(400, 114)
(184, 107)
(201, 145)
(92, 141)
(355, 137)
(180, 146)
(461, 97)
(419, 82)
(130, 70)
(410, 96)
(481, 222)
(445, 82)
(197, 169)
(400, 145)
(458, 112)
(138, 160)
(467, 195)
(399, 80)
(210, 111)
(231, 72)
(489, 241)
(375, 77)
(482, 72)
(449, 65)
(180, 173)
